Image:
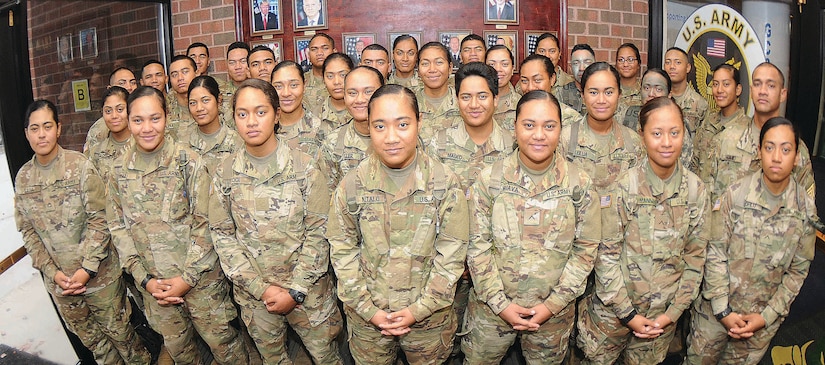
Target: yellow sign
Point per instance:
(80, 91)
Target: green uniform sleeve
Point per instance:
(129, 258)
(313, 260)
(200, 255)
(95, 240)
(717, 277)
(41, 260)
(481, 261)
(780, 303)
(610, 285)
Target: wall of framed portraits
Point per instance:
(356, 24)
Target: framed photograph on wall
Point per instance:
(266, 17)
(500, 11)
(65, 54)
(302, 52)
(88, 43)
(310, 14)
(452, 39)
(276, 45)
(391, 36)
(531, 38)
(354, 43)
(507, 38)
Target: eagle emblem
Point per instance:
(704, 77)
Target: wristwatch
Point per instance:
(146, 281)
(297, 296)
(721, 315)
(91, 273)
(626, 320)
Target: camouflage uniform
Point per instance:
(179, 121)
(505, 113)
(214, 148)
(59, 209)
(655, 269)
(562, 78)
(631, 95)
(331, 118)
(157, 212)
(435, 117)
(104, 154)
(342, 151)
(713, 125)
(531, 243)
(694, 108)
(306, 135)
(228, 90)
(268, 228)
(572, 96)
(315, 92)
(97, 133)
(758, 265)
(397, 248)
(411, 83)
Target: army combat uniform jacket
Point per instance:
(104, 154)
(213, 149)
(398, 247)
(505, 113)
(694, 109)
(306, 135)
(179, 121)
(703, 143)
(342, 151)
(411, 83)
(435, 117)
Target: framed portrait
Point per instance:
(302, 52)
(531, 40)
(65, 54)
(452, 39)
(500, 11)
(88, 43)
(276, 45)
(393, 35)
(266, 17)
(354, 43)
(507, 38)
(310, 14)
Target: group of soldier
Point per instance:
(378, 212)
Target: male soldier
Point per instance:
(321, 45)
(547, 45)
(261, 61)
(267, 213)
(153, 74)
(472, 49)
(537, 73)
(436, 97)
(199, 53)
(59, 207)
(581, 57)
(404, 59)
(238, 70)
(377, 57)
(471, 144)
(181, 72)
(347, 146)
(98, 132)
(694, 107)
(726, 91)
(157, 213)
(398, 239)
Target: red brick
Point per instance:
(189, 30)
(200, 16)
(586, 15)
(188, 5)
(599, 4)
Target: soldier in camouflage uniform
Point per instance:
(537, 73)
(157, 213)
(756, 268)
(734, 152)
(104, 153)
(211, 139)
(629, 65)
(547, 45)
(99, 131)
(321, 46)
(694, 107)
(398, 238)
(261, 62)
(275, 253)
(647, 279)
(726, 91)
(501, 59)
(333, 110)
(534, 236)
(59, 209)
(299, 128)
(436, 97)
(348, 145)
(238, 71)
(182, 71)
(405, 58)
(581, 57)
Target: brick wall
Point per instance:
(211, 22)
(606, 24)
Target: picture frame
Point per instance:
(452, 40)
(501, 12)
(88, 43)
(309, 14)
(302, 51)
(65, 52)
(531, 40)
(391, 36)
(276, 45)
(354, 44)
(507, 38)
(272, 23)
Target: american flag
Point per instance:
(716, 48)
(350, 48)
(303, 54)
(531, 43)
(491, 40)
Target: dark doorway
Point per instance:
(16, 90)
(805, 92)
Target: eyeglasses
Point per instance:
(627, 60)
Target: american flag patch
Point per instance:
(716, 47)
